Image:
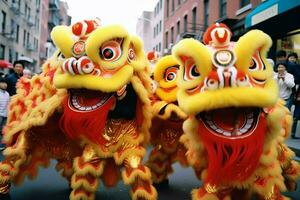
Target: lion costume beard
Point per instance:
(88, 124)
(233, 159)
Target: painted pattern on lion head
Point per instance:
(236, 121)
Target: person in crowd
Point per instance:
(27, 73)
(296, 115)
(280, 58)
(294, 67)
(12, 78)
(285, 82)
(293, 57)
(4, 99)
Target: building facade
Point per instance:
(144, 29)
(189, 18)
(19, 31)
(25, 28)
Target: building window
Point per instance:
(178, 27)
(172, 35)
(27, 39)
(194, 22)
(178, 2)
(24, 38)
(223, 5)
(167, 37)
(157, 29)
(154, 32)
(168, 4)
(173, 5)
(206, 13)
(10, 55)
(159, 47)
(2, 51)
(185, 23)
(3, 21)
(17, 33)
(35, 43)
(16, 56)
(160, 26)
(160, 4)
(244, 3)
(12, 26)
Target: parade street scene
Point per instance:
(150, 100)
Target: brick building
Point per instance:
(25, 28)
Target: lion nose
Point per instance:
(81, 66)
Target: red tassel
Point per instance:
(233, 159)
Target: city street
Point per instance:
(50, 185)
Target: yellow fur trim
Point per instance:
(199, 54)
(112, 84)
(86, 168)
(170, 108)
(82, 195)
(103, 34)
(141, 85)
(134, 151)
(136, 173)
(140, 62)
(144, 195)
(228, 97)
(208, 196)
(62, 38)
(195, 149)
(84, 183)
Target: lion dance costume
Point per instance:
(167, 123)
(236, 123)
(89, 109)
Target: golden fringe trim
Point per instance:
(137, 151)
(36, 117)
(88, 168)
(207, 196)
(136, 173)
(144, 195)
(84, 183)
(82, 195)
(110, 151)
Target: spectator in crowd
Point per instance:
(293, 58)
(27, 73)
(12, 78)
(285, 82)
(294, 67)
(280, 58)
(296, 115)
(4, 99)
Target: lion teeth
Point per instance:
(75, 104)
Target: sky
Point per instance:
(124, 12)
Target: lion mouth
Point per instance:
(230, 122)
(87, 100)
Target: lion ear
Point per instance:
(248, 44)
(136, 54)
(62, 38)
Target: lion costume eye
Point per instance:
(110, 51)
(256, 63)
(191, 71)
(170, 73)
